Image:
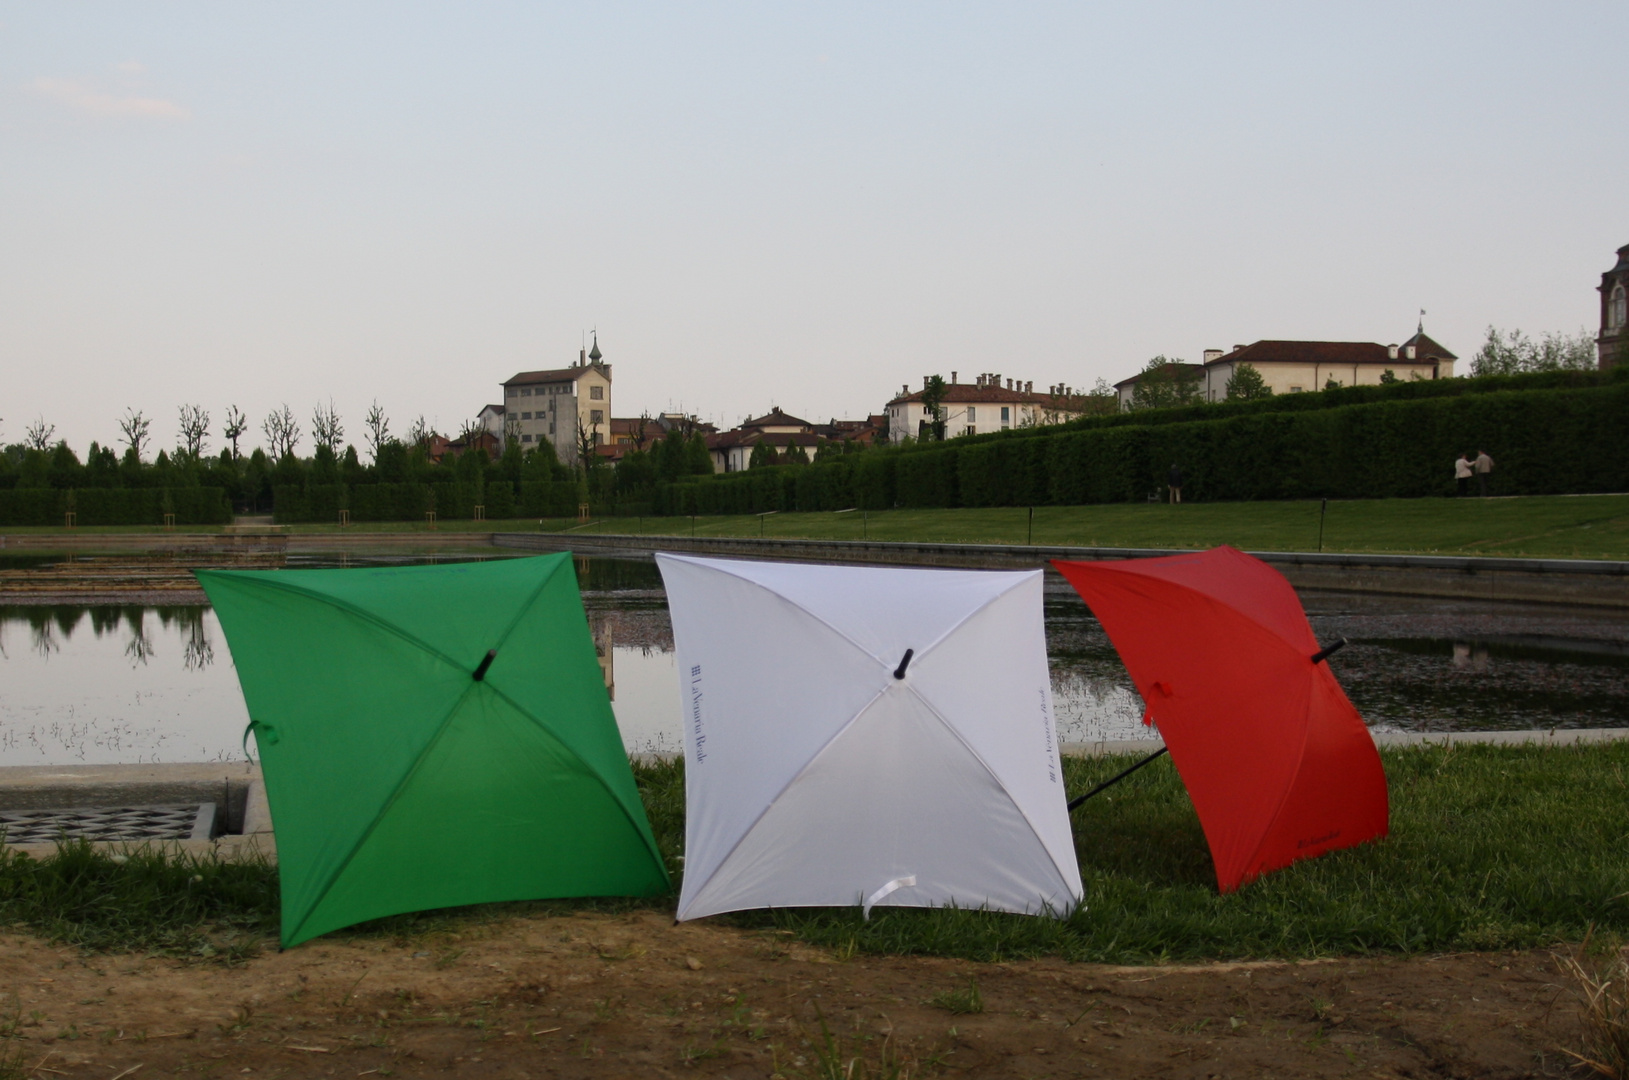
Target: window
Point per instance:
(525, 438)
(596, 416)
(1295, 389)
(1617, 310)
(526, 392)
(972, 415)
(525, 416)
(596, 393)
(1006, 414)
(510, 391)
(971, 430)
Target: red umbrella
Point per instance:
(1277, 761)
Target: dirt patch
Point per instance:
(597, 995)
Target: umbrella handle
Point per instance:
(1329, 650)
(1118, 777)
(899, 672)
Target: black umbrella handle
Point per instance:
(1111, 781)
(1329, 650)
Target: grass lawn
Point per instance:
(1550, 526)
(1491, 848)
(1540, 526)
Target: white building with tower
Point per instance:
(569, 408)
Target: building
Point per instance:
(981, 406)
(490, 418)
(566, 407)
(1613, 345)
(1294, 367)
(731, 450)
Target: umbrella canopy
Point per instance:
(860, 735)
(1278, 763)
(432, 736)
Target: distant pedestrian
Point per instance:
(1484, 467)
(1463, 469)
(1173, 480)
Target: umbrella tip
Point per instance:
(486, 662)
(899, 672)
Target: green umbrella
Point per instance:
(433, 736)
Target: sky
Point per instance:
(803, 205)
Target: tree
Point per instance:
(236, 424)
(1332, 383)
(1388, 377)
(282, 432)
(1515, 352)
(326, 429)
(419, 433)
(469, 429)
(587, 440)
(134, 427)
(194, 431)
(796, 455)
(1166, 383)
(762, 455)
(698, 461)
(1246, 384)
(37, 436)
(378, 426)
(933, 398)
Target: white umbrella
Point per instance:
(867, 735)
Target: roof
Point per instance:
(776, 418)
(1330, 352)
(1425, 347)
(554, 375)
(498, 409)
(974, 394)
(724, 440)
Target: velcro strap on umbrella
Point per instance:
(893, 886)
(260, 731)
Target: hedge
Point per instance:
(115, 506)
(1568, 438)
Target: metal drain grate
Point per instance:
(194, 822)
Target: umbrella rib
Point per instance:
(644, 835)
(648, 840)
(770, 805)
(889, 664)
(957, 735)
(363, 614)
(418, 760)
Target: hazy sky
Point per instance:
(755, 204)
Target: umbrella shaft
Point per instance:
(1111, 781)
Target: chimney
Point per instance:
(1391, 352)
(1212, 354)
(1029, 387)
(952, 378)
(904, 389)
(1411, 352)
(1237, 348)
(1009, 385)
(582, 357)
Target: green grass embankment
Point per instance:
(1491, 847)
(1535, 526)
(1558, 526)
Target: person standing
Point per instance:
(1484, 467)
(1173, 480)
(1462, 473)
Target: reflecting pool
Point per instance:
(140, 683)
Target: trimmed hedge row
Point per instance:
(455, 501)
(115, 506)
(1561, 440)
